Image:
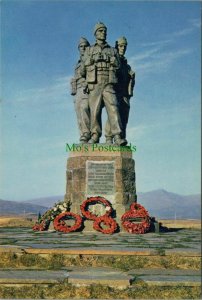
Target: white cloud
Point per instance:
(156, 60)
(146, 54)
(156, 43)
(195, 22)
(182, 32)
(57, 91)
(156, 56)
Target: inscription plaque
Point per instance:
(100, 178)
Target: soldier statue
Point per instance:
(100, 66)
(124, 88)
(79, 89)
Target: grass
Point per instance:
(189, 224)
(125, 263)
(12, 260)
(67, 291)
(17, 221)
(161, 251)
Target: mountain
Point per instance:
(18, 208)
(163, 204)
(45, 201)
(159, 203)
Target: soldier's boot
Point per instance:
(119, 141)
(94, 139)
(109, 140)
(85, 138)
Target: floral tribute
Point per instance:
(136, 211)
(43, 223)
(92, 201)
(136, 220)
(60, 225)
(107, 221)
(100, 221)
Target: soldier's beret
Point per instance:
(122, 40)
(83, 40)
(98, 26)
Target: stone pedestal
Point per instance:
(101, 170)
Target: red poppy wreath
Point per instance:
(107, 221)
(60, 225)
(92, 201)
(139, 212)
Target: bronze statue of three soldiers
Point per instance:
(102, 78)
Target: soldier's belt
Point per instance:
(102, 68)
(102, 65)
(101, 72)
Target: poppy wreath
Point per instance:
(60, 225)
(136, 211)
(95, 200)
(108, 221)
(43, 223)
(42, 226)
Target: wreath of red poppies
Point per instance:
(99, 221)
(136, 211)
(60, 225)
(107, 221)
(92, 201)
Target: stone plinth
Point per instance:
(101, 170)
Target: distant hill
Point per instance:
(163, 204)
(45, 201)
(160, 204)
(18, 208)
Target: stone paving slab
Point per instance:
(183, 242)
(171, 280)
(118, 250)
(10, 248)
(175, 272)
(32, 277)
(104, 276)
(91, 251)
(183, 252)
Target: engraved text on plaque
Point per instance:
(100, 178)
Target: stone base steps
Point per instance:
(101, 275)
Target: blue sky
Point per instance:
(39, 52)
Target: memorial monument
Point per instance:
(100, 177)
(103, 80)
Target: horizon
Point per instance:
(171, 205)
(39, 53)
(53, 196)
